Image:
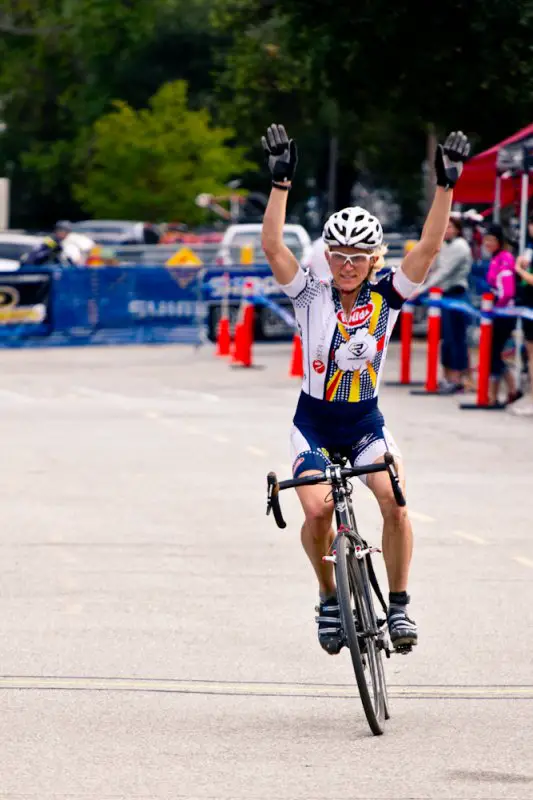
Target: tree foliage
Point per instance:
(373, 73)
(62, 65)
(390, 70)
(152, 163)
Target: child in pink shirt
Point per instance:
(501, 279)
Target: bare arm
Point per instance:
(448, 167)
(524, 274)
(283, 263)
(417, 262)
(282, 157)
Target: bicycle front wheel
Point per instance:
(360, 630)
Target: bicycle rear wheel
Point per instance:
(360, 629)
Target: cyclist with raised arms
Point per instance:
(345, 324)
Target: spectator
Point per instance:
(501, 281)
(450, 273)
(524, 269)
(145, 233)
(50, 251)
(77, 247)
(174, 233)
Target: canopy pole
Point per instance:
(497, 199)
(523, 208)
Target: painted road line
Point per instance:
(470, 537)
(419, 517)
(257, 689)
(191, 394)
(16, 397)
(526, 562)
(255, 451)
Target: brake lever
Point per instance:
(395, 480)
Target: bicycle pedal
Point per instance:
(403, 649)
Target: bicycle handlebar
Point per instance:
(274, 487)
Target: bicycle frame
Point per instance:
(355, 579)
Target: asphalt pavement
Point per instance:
(157, 629)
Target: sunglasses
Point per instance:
(358, 260)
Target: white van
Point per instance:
(237, 236)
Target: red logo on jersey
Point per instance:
(358, 316)
(319, 366)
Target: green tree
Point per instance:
(151, 164)
(393, 70)
(63, 62)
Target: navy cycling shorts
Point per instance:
(310, 452)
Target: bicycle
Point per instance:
(365, 634)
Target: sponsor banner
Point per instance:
(105, 305)
(25, 300)
(259, 280)
(148, 295)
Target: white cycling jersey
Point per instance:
(344, 358)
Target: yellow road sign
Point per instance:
(185, 257)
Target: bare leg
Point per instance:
(317, 533)
(397, 530)
(509, 381)
(454, 376)
(494, 389)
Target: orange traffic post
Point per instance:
(223, 331)
(485, 348)
(247, 335)
(297, 362)
(244, 329)
(434, 325)
(406, 341)
(236, 353)
(431, 385)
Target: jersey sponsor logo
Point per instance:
(358, 315)
(319, 366)
(297, 463)
(357, 352)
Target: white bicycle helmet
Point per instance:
(353, 227)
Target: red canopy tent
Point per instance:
(477, 183)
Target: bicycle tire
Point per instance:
(361, 584)
(373, 706)
(371, 595)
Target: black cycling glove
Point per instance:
(449, 159)
(281, 154)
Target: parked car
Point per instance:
(237, 236)
(13, 245)
(109, 231)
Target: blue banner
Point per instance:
(115, 305)
(260, 277)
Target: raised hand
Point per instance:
(449, 159)
(281, 153)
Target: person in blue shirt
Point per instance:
(50, 251)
